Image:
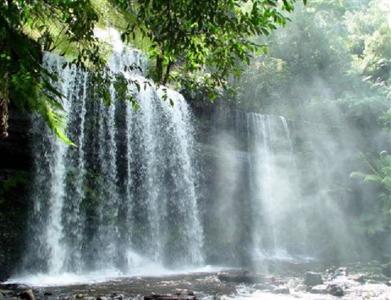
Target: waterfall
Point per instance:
(256, 185)
(133, 193)
(271, 185)
(126, 194)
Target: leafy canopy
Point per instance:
(26, 29)
(200, 43)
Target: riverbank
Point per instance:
(369, 281)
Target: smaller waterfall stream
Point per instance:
(272, 186)
(256, 186)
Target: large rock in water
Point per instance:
(178, 296)
(27, 295)
(319, 289)
(241, 277)
(386, 269)
(335, 290)
(312, 279)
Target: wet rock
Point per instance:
(330, 271)
(264, 287)
(312, 279)
(359, 278)
(319, 289)
(276, 281)
(116, 296)
(386, 269)
(27, 295)
(8, 293)
(241, 277)
(292, 283)
(335, 290)
(370, 291)
(376, 278)
(341, 272)
(300, 288)
(54, 298)
(13, 286)
(281, 290)
(184, 293)
(171, 297)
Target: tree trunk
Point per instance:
(167, 74)
(4, 100)
(4, 78)
(159, 69)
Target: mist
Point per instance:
(317, 76)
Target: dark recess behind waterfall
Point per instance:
(15, 176)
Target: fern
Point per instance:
(379, 173)
(56, 122)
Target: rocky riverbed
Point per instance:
(358, 282)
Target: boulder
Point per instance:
(319, 289)
(300, 288)
(189, 296)
(27, 295)
(386, 269)
(13, 286)
(264, 286)
(341, 272)
(358, 277)
(8, 293)
(312, 279)
(184, 292)
(335, 290)
(241, 277)
(281, 290)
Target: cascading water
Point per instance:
(272, 185)
(275, 186)
(257, 186)
(125, 195)
(127, 198)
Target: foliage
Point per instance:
(203, 41)
(379, 173)
(12, 182)
(370, 42)
(313, 69)
(330, 67)
(26, 29)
